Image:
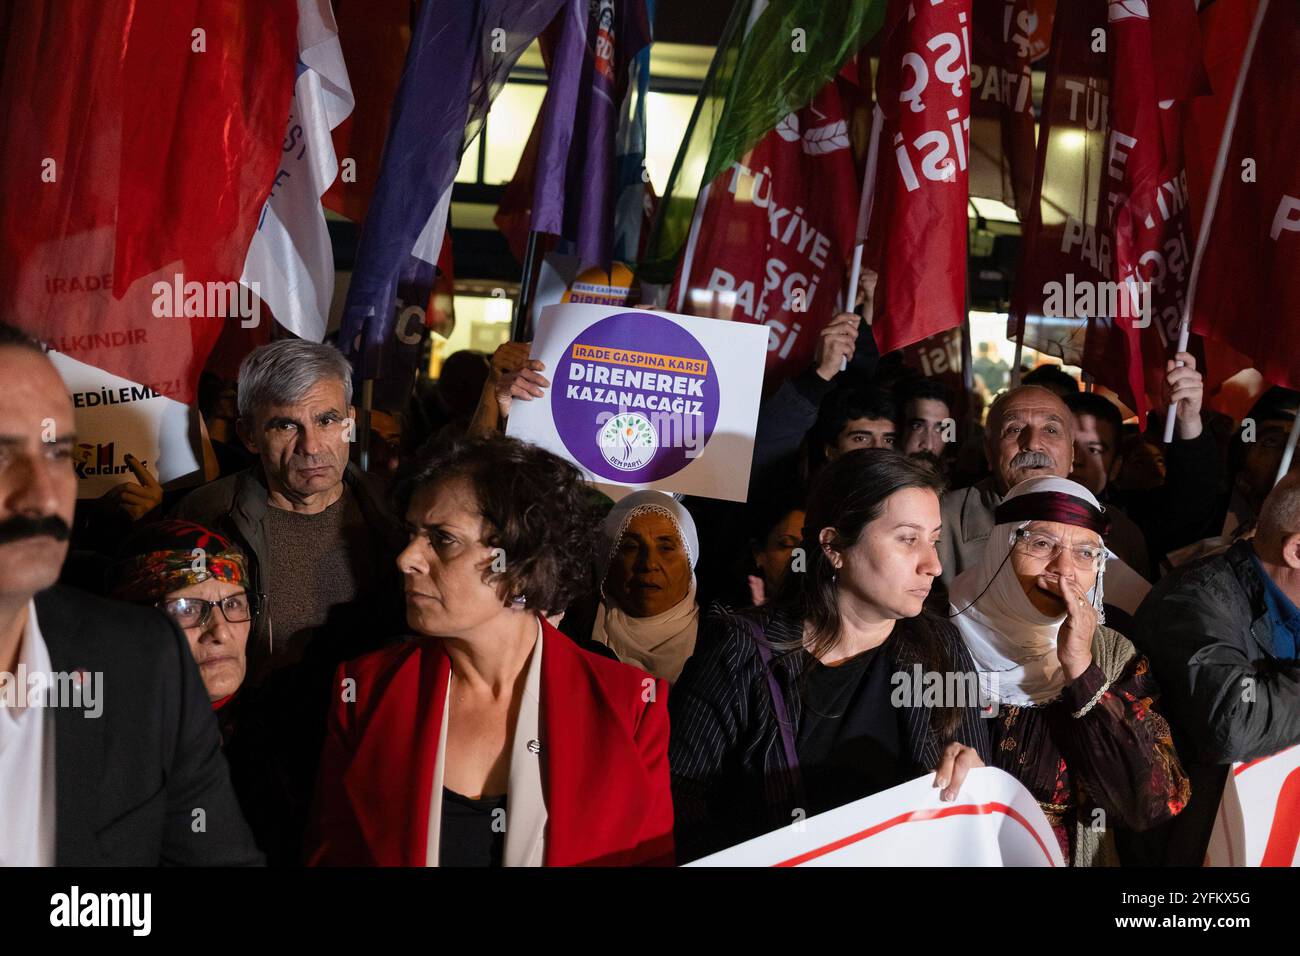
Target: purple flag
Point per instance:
(573, 195)
(459, 57)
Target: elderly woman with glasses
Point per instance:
(200, 580)
(1074, 716)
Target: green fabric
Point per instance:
(759, 76)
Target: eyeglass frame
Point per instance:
(255, 603)
(1021, 534)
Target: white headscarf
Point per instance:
(1012, 643)
(660, 644)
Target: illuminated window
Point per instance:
(667, 116)
(482, 323)
(514, 112)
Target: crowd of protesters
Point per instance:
(382, 666)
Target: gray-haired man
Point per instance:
(321, 536)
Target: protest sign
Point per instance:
(116, 417)
(993, 822)
(642, 399)
(1259, 817)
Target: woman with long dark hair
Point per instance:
(806, 704)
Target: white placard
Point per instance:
(1259, 817)
(116, 417)
(643, 399)
(993, 822)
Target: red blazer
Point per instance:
(604, 759)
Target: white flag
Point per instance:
(290, 257)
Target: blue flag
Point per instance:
(459, 58)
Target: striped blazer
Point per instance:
(730, 777)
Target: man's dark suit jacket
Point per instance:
(128, 782)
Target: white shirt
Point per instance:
(27, 761)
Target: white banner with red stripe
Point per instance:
(993, 822)
(1259, 817)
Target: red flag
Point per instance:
(1155, 68)
(374, 35)
(1001, 104)
(775, 230)
(1109, 211)
(918, 217)
(1225, 30)
(1248, 290)
(146, 155)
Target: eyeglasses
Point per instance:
(1044, 547)
(195, 612)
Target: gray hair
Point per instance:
(283, 372)
(1279, 517)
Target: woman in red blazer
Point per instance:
(492, 738)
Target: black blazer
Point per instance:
(129, 781)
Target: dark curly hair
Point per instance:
(536, 507)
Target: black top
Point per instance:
(849, 743)
(473, 831)
(729, 775)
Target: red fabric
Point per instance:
(1248, 293)
(1052, 506)
(374, 35)
(604, 752)
(776, 230)
(1109, 203)
(919, 212)
(1001, 104)
(163, 159)
(1153, 59)
(1224, 29)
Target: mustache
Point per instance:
(1032, 459)
(20, 526)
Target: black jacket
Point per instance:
(1206, 633)
(237, 507)
(729, 775)
(144, 783)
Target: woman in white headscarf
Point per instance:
(1073, 715)
(647, 614)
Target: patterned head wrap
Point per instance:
(169, 555)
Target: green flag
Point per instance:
(773, 58)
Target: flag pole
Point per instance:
(864, 208)
(367, 403)
(1289, 452)
(864, 214)
(523, 305)
(1020, 348)
(1211, 201)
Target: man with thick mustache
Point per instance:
(137, 778)
(320, 534)
(1030, 433)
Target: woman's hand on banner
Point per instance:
(1183, 384)
(957, 761)
(516, 375)
(836, 344)
(140, 497)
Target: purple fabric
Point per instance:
(451, 75)
(573, 194)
